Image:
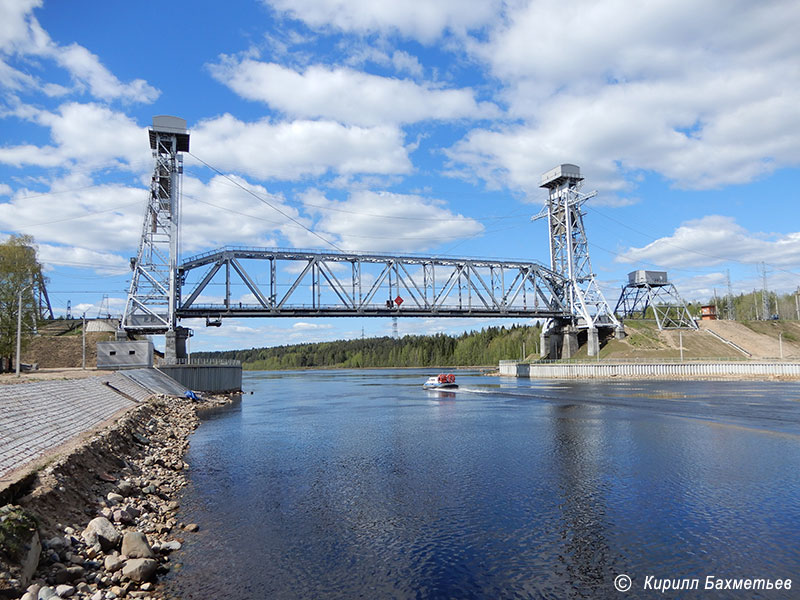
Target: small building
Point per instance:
(133, 354)
(708, 312)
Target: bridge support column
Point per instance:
(175, 346)
(569, 345)
(550, 343)
(619, 332)
(592, 341)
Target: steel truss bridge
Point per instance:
(296, 283)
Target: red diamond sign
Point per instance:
(398, 301)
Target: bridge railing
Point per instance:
(207, 362)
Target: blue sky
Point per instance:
(351, 113)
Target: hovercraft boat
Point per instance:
(443, 381)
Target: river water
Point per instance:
(359, 484)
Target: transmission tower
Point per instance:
(154, 291)
(569, 251)
(764, 293)
(731, 309)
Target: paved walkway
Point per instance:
(36, 417)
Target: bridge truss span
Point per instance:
(263, 282)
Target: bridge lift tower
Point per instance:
(155, 290)
(569, 257)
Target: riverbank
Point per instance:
(106, 510)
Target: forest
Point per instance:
(484, 347)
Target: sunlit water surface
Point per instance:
(359, 484)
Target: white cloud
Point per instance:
(388, 221)
(87, 69)
(705, 95)
(14, 21)
(404, 62)
(22, 35)
(106, 263)
(303, 326)
(292, 150)
(218, 213)
(420, 19)
(347, 95)
(97, 219)
(89, 135)
(713, 240)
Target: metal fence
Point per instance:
(218, 362)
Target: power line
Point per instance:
(260, 199)
(673, 245)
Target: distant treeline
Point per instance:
(485, 347)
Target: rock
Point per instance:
(170, 546)
(60, 574)
(116, 590)
(126, 488)
(98, 595)
(46, 592)
(123, 516)
(100, 530)
(21, 547)
(75, 572)
(28, 596)
(140, 569)
(114, 499)
(83, 588)
(113, 563)
(134, 545)
(65, 591)
(55, 543)
(192, 527)
(147, 587)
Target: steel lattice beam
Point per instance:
(367, 285)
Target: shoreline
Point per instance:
(106, 510)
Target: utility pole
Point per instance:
(680, 338)
(780, 343)
(19, 327)
(797, 302)
(83, 344)
(764, 293)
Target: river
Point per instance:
(359, 484)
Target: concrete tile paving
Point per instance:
(37, 417)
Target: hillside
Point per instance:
(60, 344)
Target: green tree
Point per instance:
(19, 272)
